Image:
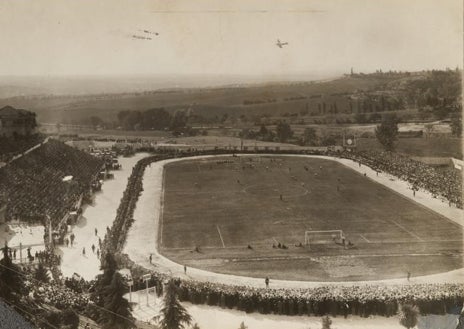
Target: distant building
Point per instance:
(16, 122)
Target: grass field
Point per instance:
(222, 205)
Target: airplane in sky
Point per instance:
(140, 37)
(149, 32)
(281, 44)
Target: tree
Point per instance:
(310, 136)
(247, 133)
(456, 126)
(11, 281)
(178, 122)
(129, 119)
(360, 118)
(283, 131)
(224, 118)
(70, 319)
(328, 140)
(41, 274)
(242, 326)
(173, 314)
(109, 267)
(374, 117)
(428, 129)
(326, 322)
(96, 121)
(156, 118)
(387, 132)
(263, 131)
(118, 314)
(408, 315)
(461, 320)
(66, 319)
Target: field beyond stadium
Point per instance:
(225, 214)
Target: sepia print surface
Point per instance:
(231, 164)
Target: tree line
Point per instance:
(152, 119)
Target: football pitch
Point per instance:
(229, 215)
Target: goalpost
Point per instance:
(323, 237)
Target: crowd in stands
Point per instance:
(12, 146)
(116, 235)
(335, 300)
(443, 183)
(33, 185)
(362, 300)
(58, 296)
(36, 186)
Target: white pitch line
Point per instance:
(407, 231)
(402, 241)
(161, 210)
(220, 235)
(364, 238)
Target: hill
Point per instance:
(357, 98)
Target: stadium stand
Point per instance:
(13, 146)
(33, 185)
(444, 183)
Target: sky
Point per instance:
(206, 37)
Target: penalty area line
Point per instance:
(220, 235)
(407, 231)
(364, 238)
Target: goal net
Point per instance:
(321, 237)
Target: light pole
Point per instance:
(21, 253)
(49, 230)
(130, 290)
(146, 277)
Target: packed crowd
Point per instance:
(443, 183)
(58, 296)
(335, 300)
(12, 146)
(33, 187)
(116, 235)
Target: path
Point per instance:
(143, 235)
(97, 216)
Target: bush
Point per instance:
(70, 319)
(326, 322)
(408, 315)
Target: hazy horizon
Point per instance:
(82, 85)
(61, 85)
